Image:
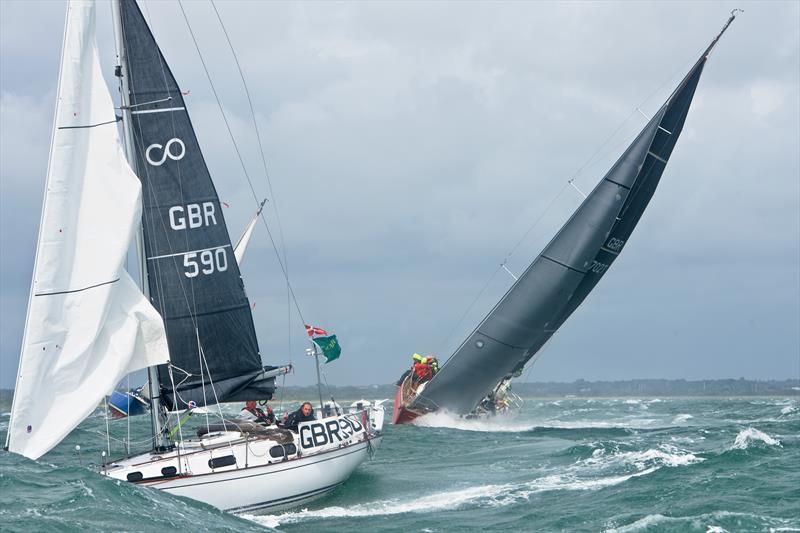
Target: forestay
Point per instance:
(87, 323)
(561, 277)
(193, 276)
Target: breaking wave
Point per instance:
(573, 478)
(664, 455)
(681, 418)
(433, 502)
(499, 423)
(482, 495)
(750, 437)
(715, 522)
(507, 423)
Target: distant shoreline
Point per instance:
(580, 389)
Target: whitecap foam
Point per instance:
(686, 440)
(788, 409)
(750, 436)
(652, 521)
(571, 482)
(498, 423)
(507, 423)
(683, 417)
(640, 524)
(487, 495)
(664, 455)
(439, 501)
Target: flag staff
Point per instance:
(319, 382)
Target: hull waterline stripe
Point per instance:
(281, 501)
(77, 290)
(164, 110)
(188, 252)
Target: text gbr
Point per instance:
(315, 434)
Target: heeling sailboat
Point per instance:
(560, 278)
(88, 324)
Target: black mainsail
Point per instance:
(193, 277)
(569, 267)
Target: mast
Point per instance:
(160, 439)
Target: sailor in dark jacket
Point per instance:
(293, 419)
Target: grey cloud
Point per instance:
(413, 144)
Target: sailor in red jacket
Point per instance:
(423, 370)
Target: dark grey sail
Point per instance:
(193, 277)
(561, 277)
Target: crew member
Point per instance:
(252, 413)
(434, 364)
(422, 370)
(293, 419)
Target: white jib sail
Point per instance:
(87, 324)
(241, 245)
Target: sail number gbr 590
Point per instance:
(192, 216)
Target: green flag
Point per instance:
(330, 347)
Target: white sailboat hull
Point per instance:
(274, 487)
(239, 473)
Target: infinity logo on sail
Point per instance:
(314, 434)
(167, 152)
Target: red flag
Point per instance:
(226, 204)
(313, 330)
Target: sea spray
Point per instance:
(751, 437)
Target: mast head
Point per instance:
(725, 27)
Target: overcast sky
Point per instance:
(412, 145)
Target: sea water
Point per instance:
(572, 464)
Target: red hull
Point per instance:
(401, 415)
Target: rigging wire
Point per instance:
(281, 262)
(591, 160)
(266, 174)
(108, 431)
(219, 102)
(255, 128)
